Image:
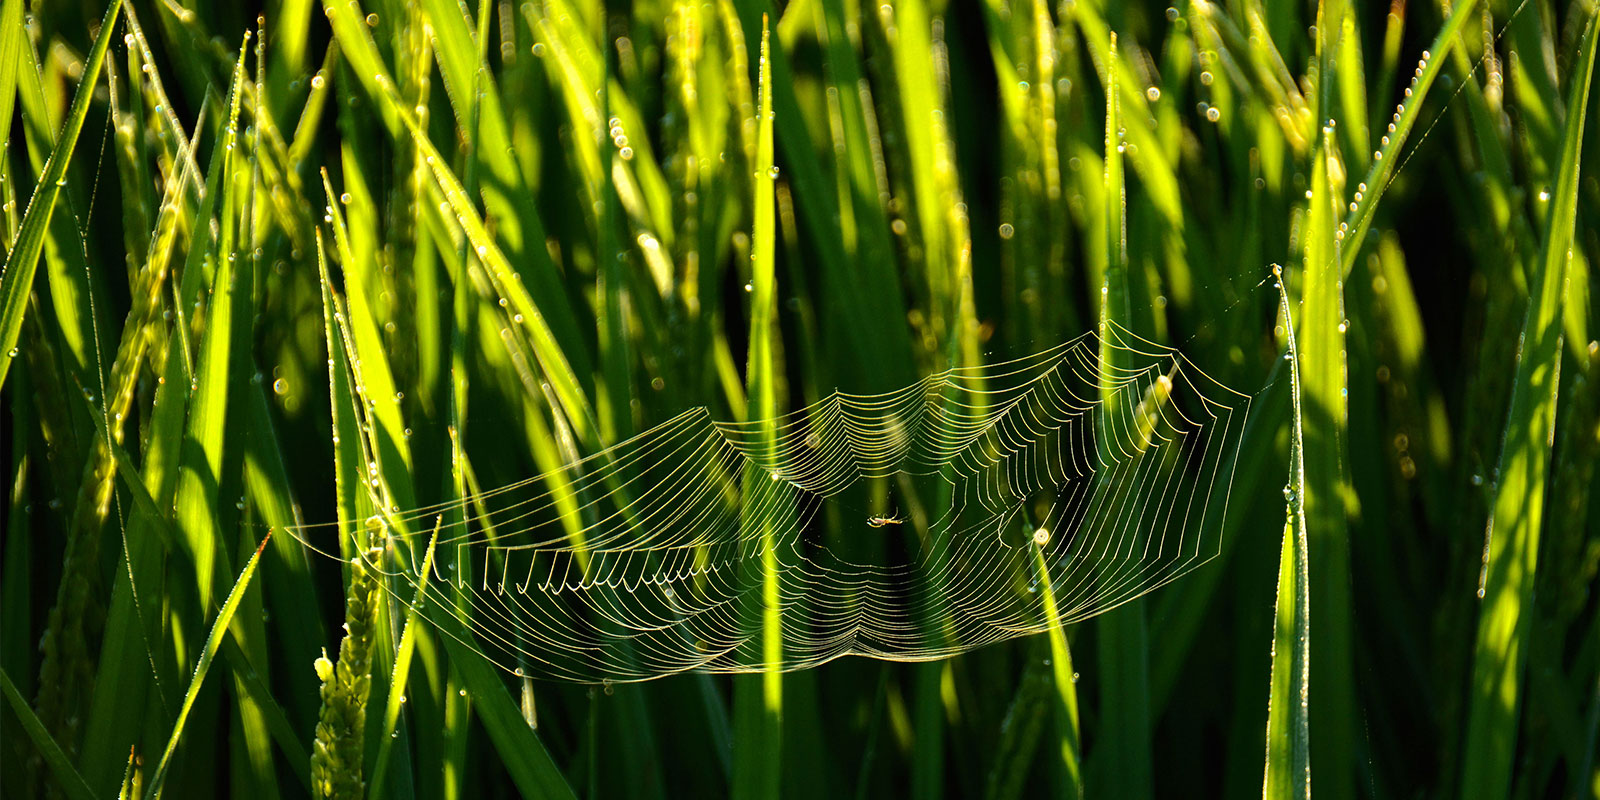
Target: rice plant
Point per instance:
(459, 398)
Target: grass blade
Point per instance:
(10, 57)
(1511, 548)
(1323, 367)
(1385, 160)
(219, 628)
(1288, 772)
(758, 699)
(1123, 756)
(16, 281)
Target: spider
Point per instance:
(892, 519)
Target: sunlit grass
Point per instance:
(359, 258)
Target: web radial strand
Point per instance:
(645, 560)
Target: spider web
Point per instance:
(973, 506)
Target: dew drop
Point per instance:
(1213, 114)
(280, 386)
(749, 287)
(1153, 93)
(1006, 231)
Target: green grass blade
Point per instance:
(219, 628)
(550, 321)
(524, 756)
(758, 699)
(16, 280)
(1288, 772)
(1123, 757)
(400, 674)
(1512, 547)
(1324, 366)
(10, 56)
(1065, 695)
(1385, 160)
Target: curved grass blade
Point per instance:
(16, 281)
(219, 628)
(1511, 547)
(1370, 190)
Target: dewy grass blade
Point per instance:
(16, 280)
(402, 671)
(1123, 757)
(1069, 747)
(357, 243)
(1323, 369)
(1384, 160)
(219, 628)
(758, 699)
(1288, 770)
(1511, 546)
(508, 201)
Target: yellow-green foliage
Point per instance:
(275, 267)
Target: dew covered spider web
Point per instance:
(973, 506)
